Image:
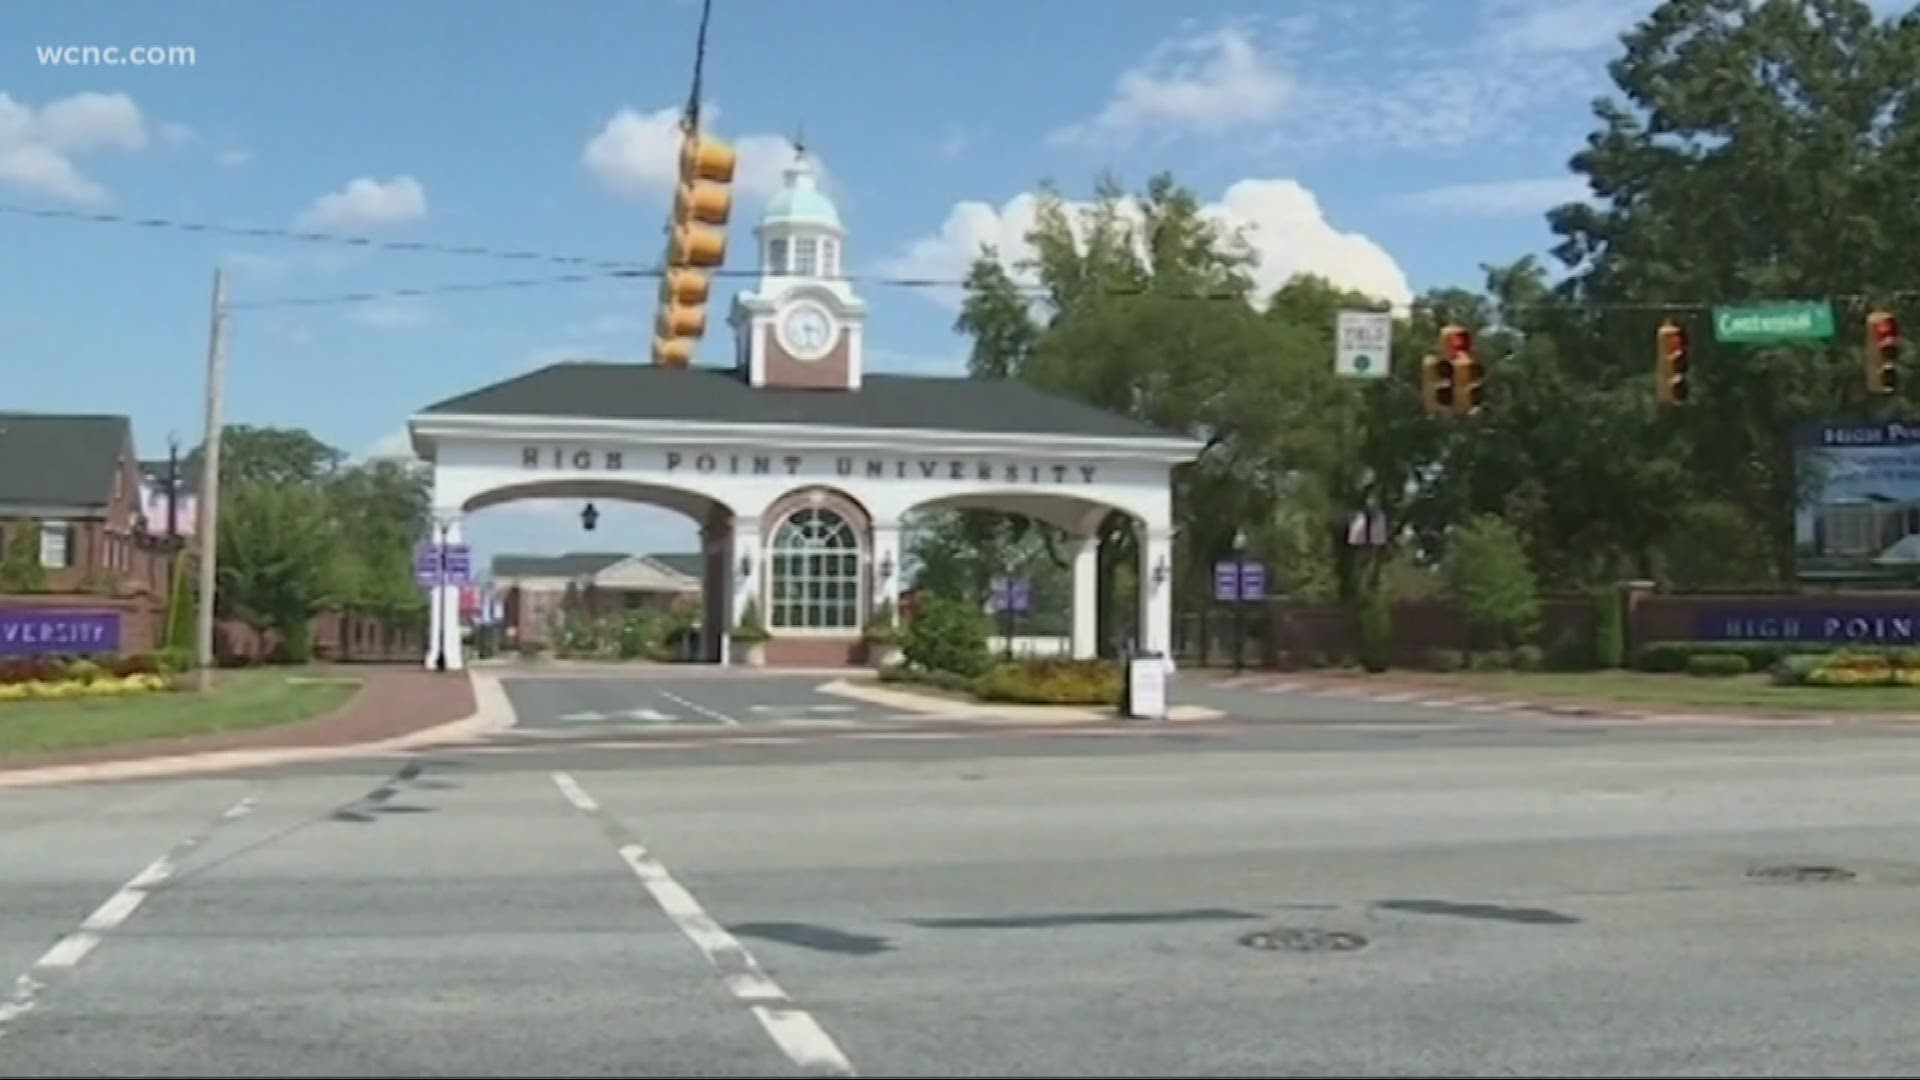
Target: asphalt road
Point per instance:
(1237, 902)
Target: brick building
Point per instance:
(73, 484)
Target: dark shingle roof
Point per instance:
(898, 402)
(53, 460)
(572, 564)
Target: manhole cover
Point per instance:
(1302, 939)
(1800, 873)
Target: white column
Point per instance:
(1156, 591)
(886, 565)
(743, 549)
(450, 641)
(1086, 598)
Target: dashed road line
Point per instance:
(793, 1029)
(699, 708)
(76, 946)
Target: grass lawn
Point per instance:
(1744, 693)
(241, 700)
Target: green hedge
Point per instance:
(1672, 656)
(1717, 665)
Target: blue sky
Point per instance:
(1392, 144)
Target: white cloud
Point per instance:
(1543, 27)
(638, 154)
(367, 203)
(1499, 198)
(954, 145)
(395, 445)
(1205, 83)
(38, 147)
(233, 158)
(1282, 221)
(390, 314)
(178, 134)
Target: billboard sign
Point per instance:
(1859, 509)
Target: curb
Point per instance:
(1430, 697)
(492, 713)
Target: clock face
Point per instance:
(807, 331)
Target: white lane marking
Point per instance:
(1437, 702)
(816, 722)
(109, 916)
(1393, 699)
(806, 708)
(1341, 692)
(792, 1029)
(1280, 688)
(588, 716)
(696, 707)
(654, 716)
(1486, 707)
(575, 794)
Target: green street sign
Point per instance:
(1787, 320)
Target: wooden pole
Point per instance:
(207, 531)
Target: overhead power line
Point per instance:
(597, 268)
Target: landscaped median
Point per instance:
(251, 717)
(1029, 691)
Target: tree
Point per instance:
(276, 559)
(20, 569)
(268, 455)
(381, 509)
(1753, 151)
(1487, 572)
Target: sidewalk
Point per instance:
(397, 708)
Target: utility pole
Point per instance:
(208, 528)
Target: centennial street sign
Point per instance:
(1790, 320)
(872, 468)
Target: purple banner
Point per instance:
(1226, 581)
(45, 632)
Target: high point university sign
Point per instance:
(1887, 626)
(41, 632)
(706, 463)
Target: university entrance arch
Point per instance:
(799, 466)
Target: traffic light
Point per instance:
(696, 245)
(1883, 353)
(1436, 385)
(1673, 366)
(1469, 375)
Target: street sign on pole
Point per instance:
(1253, 581)
(1226, 580)
(1785, 320)
(1364, 345)
(1241, 580)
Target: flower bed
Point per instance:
(51, 678)
(1842, 669)
(1027, 682)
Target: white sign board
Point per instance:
(1147, 688)
(1363, 345)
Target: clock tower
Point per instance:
(800, 326)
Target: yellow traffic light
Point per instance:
(1673, 368)
(1436, 385)
(673, 352)
(702, 204)
(1469, 376)
(1883, 353)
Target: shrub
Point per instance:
(136, 664)
(1711, 665)
(1529, 658)
(945, 680)
(174, 661)
(948, 635)
(1794, 670)
(20, 569)
(1446, 660)
(1490, 578)
(1492, 660)
(1609, 627)
(84, 671)
(882, 627)
(1671, 656)
(1570, 651)
(1053, 682)
(30, 669)
(751, 631)
(1314, 660)
(1376, 630)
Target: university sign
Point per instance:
(1876, 627)
(40, 632)
(706, 463)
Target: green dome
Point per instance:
(801, 202)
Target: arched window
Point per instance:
(816, 572)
